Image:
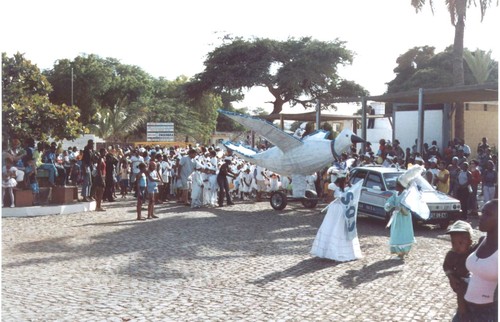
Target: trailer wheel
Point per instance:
(310, 200)
(278, 200)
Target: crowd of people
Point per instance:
(206, 175)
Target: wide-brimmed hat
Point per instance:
(459, 226)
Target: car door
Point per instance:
(373, 194)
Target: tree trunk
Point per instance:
(277, 106)
(458, 67)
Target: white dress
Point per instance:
(197, 190)
(331, 239)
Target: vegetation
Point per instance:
(296, 71)
(26, 108)
(422, 67)
(115, 100)
(457, 10)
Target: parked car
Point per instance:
(379, 185)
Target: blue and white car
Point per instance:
(379, 185)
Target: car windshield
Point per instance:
(390, 180)
(423, 185)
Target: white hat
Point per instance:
(414, 172)
(389, 157)
(460, 226)
(433, 160)
(228, 159)
(419, 159)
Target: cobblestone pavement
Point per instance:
(240, 263)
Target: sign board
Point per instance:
(158, 132)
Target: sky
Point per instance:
(171, 38)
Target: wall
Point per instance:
(480, 123)
(406, 127)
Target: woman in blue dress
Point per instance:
(402, 237)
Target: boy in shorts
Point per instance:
(454, 262)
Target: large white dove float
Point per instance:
(292, 156)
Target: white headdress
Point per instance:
(414, 172)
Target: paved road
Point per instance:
(241, 263)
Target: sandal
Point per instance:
(141, 218)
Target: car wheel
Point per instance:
(278, 200)
(310, 200)
(309, 203)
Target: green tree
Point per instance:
(480, 64)
(98, 84)
(26, 108)
(457, 10)
(193, 117)
(421, 67)
(296, 71)
(117, 123)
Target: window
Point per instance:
(374, 180)
(358, 175)
(391, 179)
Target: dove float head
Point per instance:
(343, 141)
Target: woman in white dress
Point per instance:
(332, 239)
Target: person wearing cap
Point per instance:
(260, 181)
(454, 262)
(464, 188)
(432, 171)
(401, 235)
(246, 182)
(481, 296)
(135, 160)
(332, 240)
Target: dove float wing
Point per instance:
(284, 141)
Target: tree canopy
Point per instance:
(457, 11)
(422, 67)
(97, 83)
(26, 109)
(297, 71)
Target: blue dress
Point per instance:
(402, 237)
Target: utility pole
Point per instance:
(72, 86)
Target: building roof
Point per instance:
(466, 93)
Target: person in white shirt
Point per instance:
(482, 304)
(260, 180)
(135, 159)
